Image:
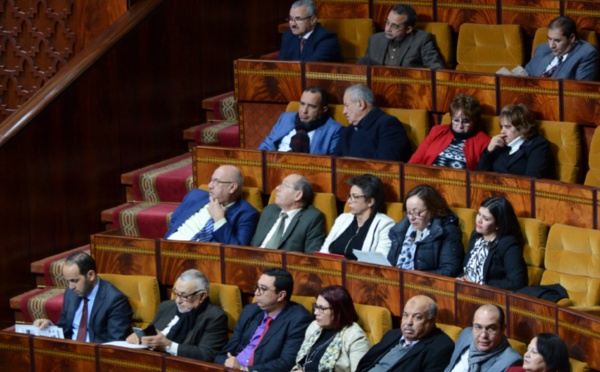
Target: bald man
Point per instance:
(219, 215)
(417, 346)
(484, 347)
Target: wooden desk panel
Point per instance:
(581, 101)
(313, 273)
(244, 265)
(343, 9)
(470, 296)
(457, 12)
(387, 171)
(207, 159)
(585, 13)
(407, 88)
(177, 257)
(257, 120)
(440, 288)
(381, 9)
(565, 203)
(124, 255)
(267, 81)
(581, 333)
(15, 351)
(530, 15)
(374, 285)
(317, 168)
(449, 84)
(63, 355)
(528, 316)
(335, 78)
(174, 364)
(451, 183)
(117, 359)
(541, 95)
(517, 190)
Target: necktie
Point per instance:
(302, 42)
(205, 235)
(269, 320)
(550, 71)
(82, 331)
(275, 240)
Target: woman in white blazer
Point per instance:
(367, 226)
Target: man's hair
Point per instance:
(304, 185)
(565, 24)
(83, 261)
(432, 311)
(501, 318)
(311, 9)
(360, 92)
(411, 14)
(283, 281)
(202, 283)
(321, 92)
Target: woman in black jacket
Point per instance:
(428, 239)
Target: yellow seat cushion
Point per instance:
(565, 144)
(451, 330)
(466, 222)
(535, 233)
(323, 201)
(229, 298)
(592, 177)
(353, 35)
(374, 320)
(442, 32)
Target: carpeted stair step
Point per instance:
(140, 219)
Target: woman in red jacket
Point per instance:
(458, 145)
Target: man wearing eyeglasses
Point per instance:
(188, 326)
(401, 44)
(270, 331)
(219, 215)
(484, 347)
(307, 40)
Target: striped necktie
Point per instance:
(551, 70)
(206, 234)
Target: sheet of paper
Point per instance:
(125, 344)
(52, 331)
(371, 257)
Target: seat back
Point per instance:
(442, 32)
(451, 330)
(592, 178)
(466, 222)
(535, 233)
(565, 145)
(578, 366)
(250, 194)
(353, 35)
(306, 301)
(143, 295)
(374, 320)
(323, 201)
(572, 259)
(519, 346)
(487, 48)
(541, 36)
(229, 298)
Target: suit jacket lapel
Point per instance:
(270, 220)
(405, 46)
(516, 156)
(291, 226)
(380, 50)
(98, 301)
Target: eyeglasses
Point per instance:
(490, 330)
(393, 26)
(355, 197)
(218, 181)
(261, 290)
(321, 309)
(464, 121)
(186, 297)
(416, 214)
(297, 19)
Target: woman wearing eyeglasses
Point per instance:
(428, 238)
(333, 341)
(546, 352)
(367, 226)
(495, 255)
(458, 145)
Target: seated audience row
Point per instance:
(565, 56)
(277, 334)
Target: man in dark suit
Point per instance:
(189, 326)
(291, 223)
(372, 134)
(418, 346)
(402, 44)
(564, 56)
(93, 309)
(269, 333)
(219, 215)
(307, 40)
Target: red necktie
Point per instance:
(82, 331)
(269, 320)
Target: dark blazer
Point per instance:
(504, 266)
(533, 159)
(581, 63)
(418, 49)
(278, 348)
(497, 364)
(305, 233)
(110, 319)
(432, 353)
(377, 136)
(241, 218)
(321, 46)
(441, 252)
(208, 336)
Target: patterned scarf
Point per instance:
(474, 268)
(332, 353)
(300, 141)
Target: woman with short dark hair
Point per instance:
(546, 352)
(334, 341)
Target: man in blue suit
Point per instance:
(307, 40)
(219, 215)
(564, 56)
(311, 130)
(93, 309)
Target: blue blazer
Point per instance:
(323, 142)
(241, 218)
(497, 364)
(321, 46)
(581, 63)
(279, 347)
(110, 319)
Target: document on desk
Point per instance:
(376, 258)
(125, 344)
(52, 331)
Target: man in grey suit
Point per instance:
(291, 223)
(564, 56)
(401, 44)
(484, 347)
